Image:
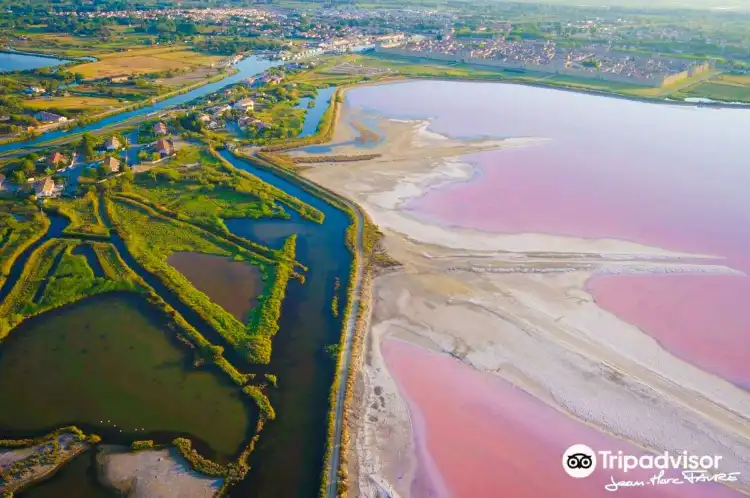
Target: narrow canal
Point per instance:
(314, 114)
(289, 457)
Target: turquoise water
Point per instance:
(24, 62)
(315, 113)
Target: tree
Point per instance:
(127, 175)
(19, 177)
(88, 146)
(187, 28)
(28, 167)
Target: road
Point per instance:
(346, 357)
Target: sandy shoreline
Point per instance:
(516, 306)
(158, 473)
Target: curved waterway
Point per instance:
(314, 114)
(248, 67)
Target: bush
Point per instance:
(142, 445)
(199, 463)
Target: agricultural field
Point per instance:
(723, 87)
(144, 61)
(72, 104)
(192, 78)
(74, 46)
(732, 79)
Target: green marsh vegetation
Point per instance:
(176, 207)
(326, 128)
(21, 224)
(83, 214)
(205, 190)
(152, 237)
(54, 277)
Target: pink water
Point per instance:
(716, 319)
(480, 437)
(672, 177)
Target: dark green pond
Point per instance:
(107, 365)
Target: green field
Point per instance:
(73, 103)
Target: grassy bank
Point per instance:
(20, 226)
(83, 214)
(263, 189)
(53, 277)
(264, 318)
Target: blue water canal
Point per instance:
(288, 460)
(246, 68)
(315, 113)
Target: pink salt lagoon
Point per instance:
(673, 177)
(470, 445)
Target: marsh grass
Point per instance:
(83, 214)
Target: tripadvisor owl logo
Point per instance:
(579, 461)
